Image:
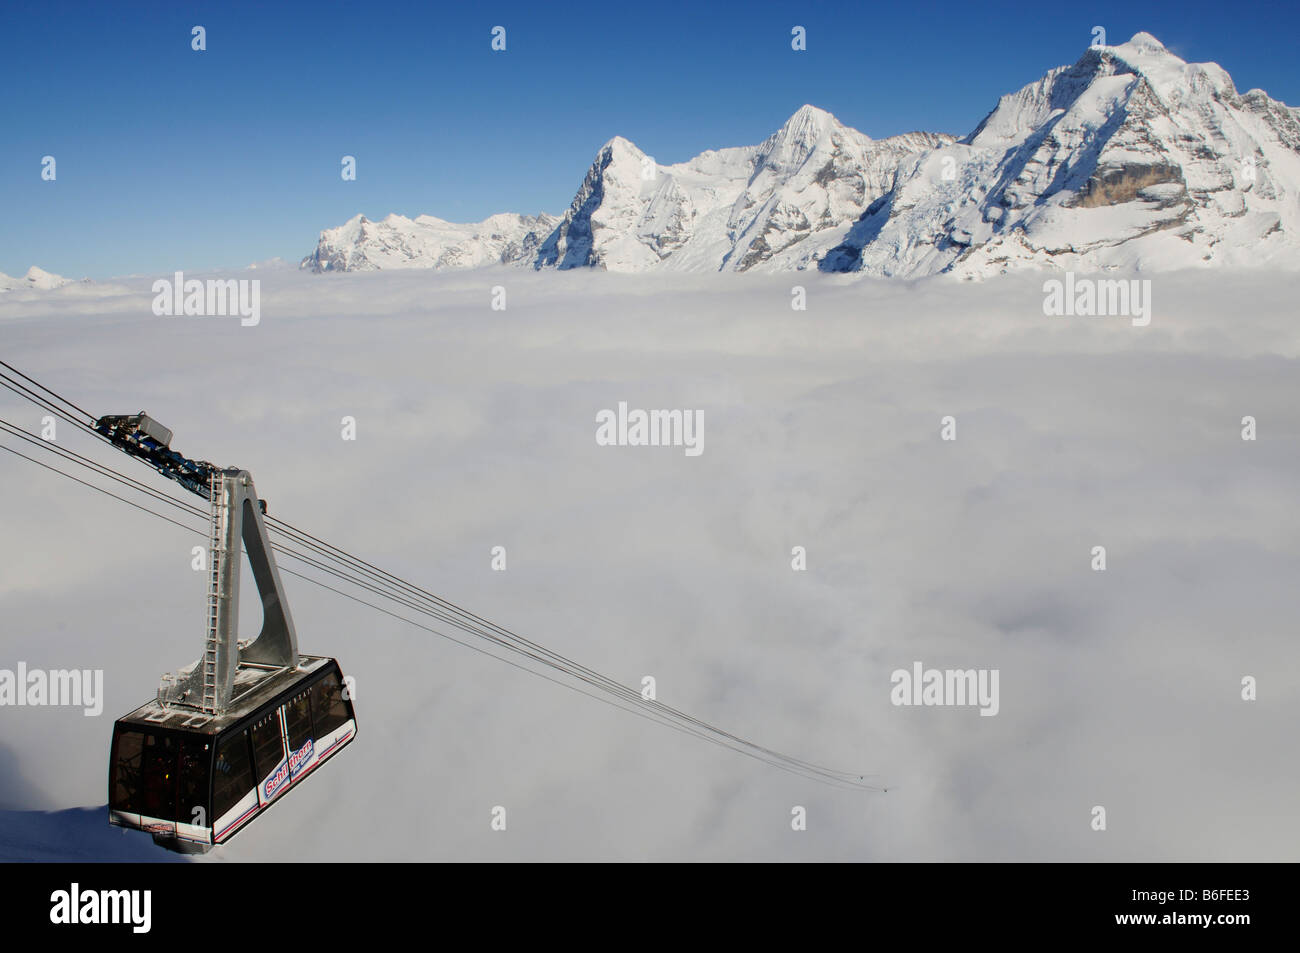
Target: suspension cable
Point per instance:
(368, 577)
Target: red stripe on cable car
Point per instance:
(252, 810)
(326, 752)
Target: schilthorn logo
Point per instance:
(948, 687)
(73, 906)
(1098, 297)
(56, 688)
(651, 428)
(300, 757)
(215, 297)
(276, 780)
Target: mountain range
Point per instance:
(1130, 159)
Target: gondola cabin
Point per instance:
(230, 734)
(194, 780)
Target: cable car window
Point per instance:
(192, 781)
(158, 784)
(297, 718)
(234, 774)
(126, 771)
(268, 747)
(328, 706)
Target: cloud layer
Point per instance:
(476, 429)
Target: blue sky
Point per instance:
(169, 158)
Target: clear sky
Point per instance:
(169, 158)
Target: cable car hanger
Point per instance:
(236, 519)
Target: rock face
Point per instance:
(427, 242)
(1129, 159)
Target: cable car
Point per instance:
(194, 780)
(233, 731)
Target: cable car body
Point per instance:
(230, 733)
(194, 780)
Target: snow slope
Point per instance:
(1131, 159)
(74, 835)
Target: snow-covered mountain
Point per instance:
(36, 279)
(427, 242)
(1130, 159)
(766, 206)
(733, 209)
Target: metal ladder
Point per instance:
(216, 561)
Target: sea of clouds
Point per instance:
(476, 428)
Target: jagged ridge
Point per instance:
(1128, 159)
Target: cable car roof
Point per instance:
(254, 686)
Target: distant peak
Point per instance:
(44, 280)
(619, 144)
(1146, 41)
(1144, 45)
(803, 133)
(809, 117)
(809, 111)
